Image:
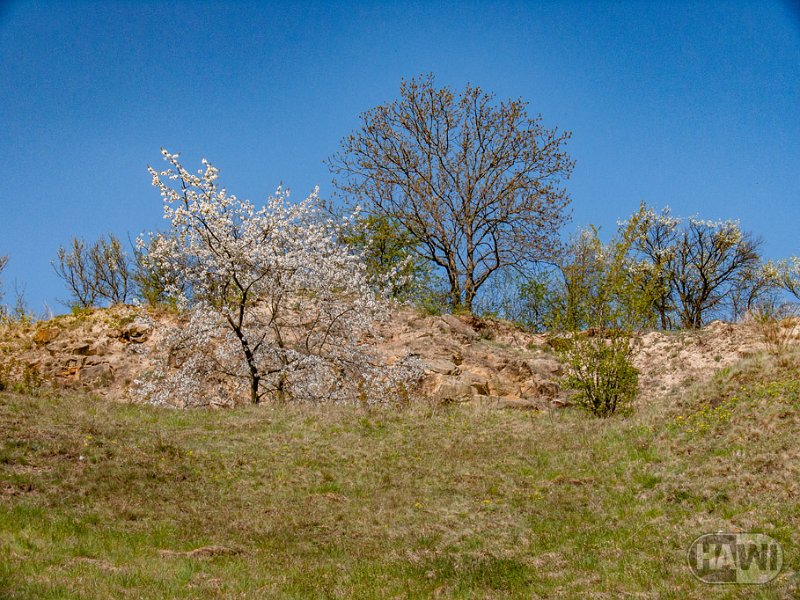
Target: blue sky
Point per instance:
(695, 105)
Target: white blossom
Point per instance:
(275, 305)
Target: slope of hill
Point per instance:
(104, 499)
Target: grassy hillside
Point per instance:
(102, 500)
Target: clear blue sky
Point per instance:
(692, 104)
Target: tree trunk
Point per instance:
(254, 382)
(469, 296)
(255, 377)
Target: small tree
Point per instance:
(111, 269)
(277, 305)
(538, 301)
(605, 292)
(696, 265)
(655, 247)
(388, 253)
(74, 268)
(788, 275)
(477, 185)
(97, 272)
(3, 263)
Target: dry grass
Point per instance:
(777, 326)
(103, 500)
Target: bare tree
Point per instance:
(112, 269)
(74, 268)
(3, 263)
(477, 184)
(101, 271)
(708, 261)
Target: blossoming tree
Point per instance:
(700, 265)
(276, 305)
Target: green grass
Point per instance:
(103, 500)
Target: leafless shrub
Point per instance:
(776, 324)
(94, 273)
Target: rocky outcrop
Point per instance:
(487, 363)
(97, 350)
(483, 362)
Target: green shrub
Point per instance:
(605, 294)
(601, 371)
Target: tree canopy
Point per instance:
(477, 184)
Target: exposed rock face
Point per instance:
(45, 335)
(488, 363)
(466, 360)
(100, 350)
(136, 332)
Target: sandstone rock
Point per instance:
(440, 365)
(516, 369)
(477, 371)
(480, 387)
(81, 348)
(68, 373)
(503, 387)
(460, 328)
(536, 387)
(451, 389)
(545, 366)
(495, 361)
(101, 374)
(136, 333)
(95, 360)
(477, 383)
(46, 335)
(102, 351)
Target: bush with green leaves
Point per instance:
(603, 303)
(387, 251)
(601, 370)
(390, 254)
